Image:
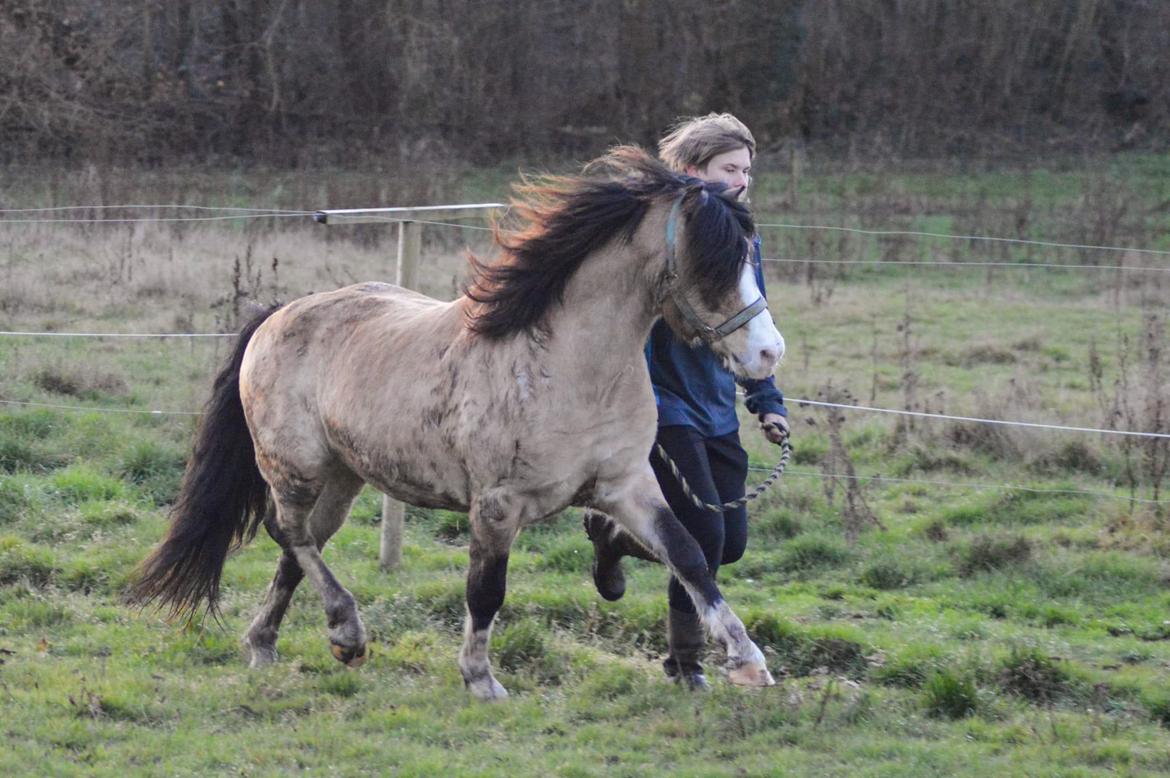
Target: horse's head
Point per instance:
(708, 291)
(695, 238)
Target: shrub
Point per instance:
(948, 695)
(931, 459)
(88, 384)
(887, 574)
(1032, 675)
(935, 531)
(992, 439)
(986, 553)
(1075, 455)
(15, 455)
(57, 382)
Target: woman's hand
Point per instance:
(775, 427)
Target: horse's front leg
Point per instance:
(494, 524)
(637, 504)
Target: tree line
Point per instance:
(286, 80)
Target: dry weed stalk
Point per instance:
(1137, 402)
(837, 465)
(907, 361)
(247, 281)
(1155, 451)
(821, 283)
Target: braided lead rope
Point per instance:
(785, 452)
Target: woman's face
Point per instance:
(732, 168)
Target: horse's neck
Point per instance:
(607, 313)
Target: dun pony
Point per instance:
(525, 396)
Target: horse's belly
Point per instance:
(407, 470)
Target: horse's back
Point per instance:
(352, 305)
(341, 379)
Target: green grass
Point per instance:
(983, 631)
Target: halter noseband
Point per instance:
(670, 289)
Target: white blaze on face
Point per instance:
(765, 344)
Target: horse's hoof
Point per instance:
(610, 581)
(350, 657)
(260, 657)
(751, 675)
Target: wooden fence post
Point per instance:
(409, 248)
(394, 512)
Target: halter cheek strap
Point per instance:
(705, 331)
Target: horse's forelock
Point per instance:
(716, 245)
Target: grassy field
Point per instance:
(937, 598)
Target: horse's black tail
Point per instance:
(220, 504)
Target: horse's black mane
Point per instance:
(569, 217)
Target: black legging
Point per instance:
(716, 469)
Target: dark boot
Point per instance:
(686, 639)
(610, 544)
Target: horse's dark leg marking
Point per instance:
(302, 533)
(493, 528)
(260, 639)
(640, 508)
(486, 584)
(686, 558)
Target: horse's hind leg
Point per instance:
(494, 525)
(638, 505)
(260, 639)
(302, 534)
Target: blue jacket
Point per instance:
(692, 388)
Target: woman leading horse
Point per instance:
(697, 423)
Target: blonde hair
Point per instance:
(696, 139)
